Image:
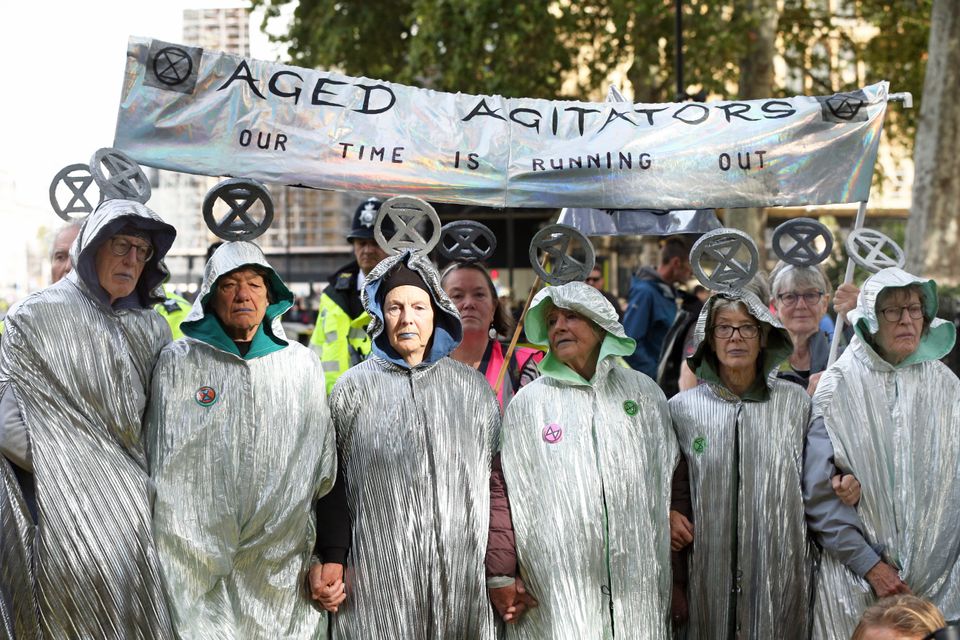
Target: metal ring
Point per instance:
(804, 232)
(78, 185)
(239, 194)
(723, 246)
(407, 213)
(119, 176)
(462, 240)
(554, 240)
(873, 243)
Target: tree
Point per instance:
(933, 229)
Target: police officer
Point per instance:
(340, 338)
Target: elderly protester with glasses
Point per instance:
(742, 434)
(75, 369)
(887, 411)
(800, 297)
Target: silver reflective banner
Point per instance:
(205, 112)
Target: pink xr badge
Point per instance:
(552, 433)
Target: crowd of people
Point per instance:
(390, 482)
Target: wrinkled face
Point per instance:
(470, 292)
(60, 255)
(118, 275)
(408, 316)
(240, 302)
(574, 340)
(798, 316)
(897, 339)
(368, 253)
(735, 352)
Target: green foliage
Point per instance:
(551, 48)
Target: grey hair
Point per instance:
(787, 276)
(59, 231)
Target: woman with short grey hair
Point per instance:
(800, 298)
(887, 412)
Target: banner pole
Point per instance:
(516, 338)
(847, 279)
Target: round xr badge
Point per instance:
(552, 433)
(631, 407)
(206, 396)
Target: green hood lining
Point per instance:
(210, 330)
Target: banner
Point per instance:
(205, 112)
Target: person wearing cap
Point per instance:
(587, 455)
(741, 433)
(240, 446)
(416, 432)
(339, 338)
(886, 412)
(75, 367)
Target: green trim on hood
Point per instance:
(201, 324)
(589, 303)
(940, 337)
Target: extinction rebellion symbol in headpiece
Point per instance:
(797, 242)
(238, 209)
(115, 174)
(467, 241)
(558, 243)
(724, 259)
(873, 250)
(408, 215)
(78, 203)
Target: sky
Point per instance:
(63, 65)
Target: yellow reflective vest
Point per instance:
(339, 340)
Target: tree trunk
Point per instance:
(933, 230)
(761, 18)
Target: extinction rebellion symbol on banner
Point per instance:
(844, 107)
(172, 67)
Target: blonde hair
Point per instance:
(904, 614)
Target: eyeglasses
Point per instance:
(790, 299)
(746, 331)
(893, 314)
(120, 247)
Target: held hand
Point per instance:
(847, 488)
(326, 585)
(845, 299)
(886, 581)
(812, 384)
(681, 531)
(512, 601)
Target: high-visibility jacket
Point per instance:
(340, 337)
(174, 309)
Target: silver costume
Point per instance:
(240, 449)
(415, 445)
(588, 467)
(896, 429)
(751, 563)
(79, 368)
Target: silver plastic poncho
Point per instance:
(751, 563)
(415, 445)
(240, 449)
(588, 466)
(80, 368)
(896, 429)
